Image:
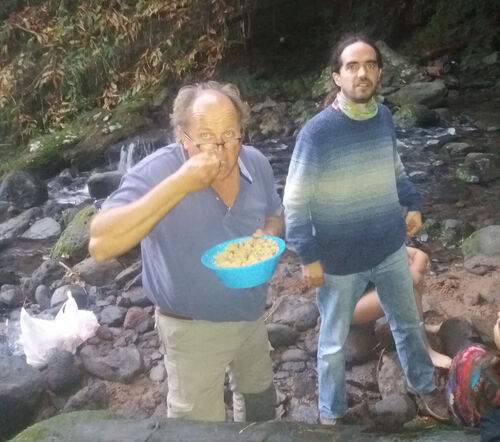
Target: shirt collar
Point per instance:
(243, 169)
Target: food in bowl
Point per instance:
(248, 251)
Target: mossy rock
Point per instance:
(485, 241)
(72, 245)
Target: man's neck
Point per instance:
(356, 111)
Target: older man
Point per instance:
(344, 199)
(178, 202)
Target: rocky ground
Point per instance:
(43, 254)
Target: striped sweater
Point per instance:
(345, 190)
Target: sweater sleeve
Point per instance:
(408, 194)
(297, 199)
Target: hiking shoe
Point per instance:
(433, 404)
(331, 421)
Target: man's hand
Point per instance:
(312, 274)
(199, 171)
(413, 222)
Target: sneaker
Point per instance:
(331, 421)
(433, 404)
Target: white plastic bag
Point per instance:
(66, 331)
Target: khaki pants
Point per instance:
(197, 354)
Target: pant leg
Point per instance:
(251, 375)
(336, 299)
(395, 290)
(195, 359)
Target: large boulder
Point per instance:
(485, 241)
(73, 243)
(20, 389)
(98, 273)
(479, 167)
(23, 190)
(431, 94)
(102, 184)
(415, 115)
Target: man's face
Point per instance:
(214, 119)
(359, 73)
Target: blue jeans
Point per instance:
(336, 301)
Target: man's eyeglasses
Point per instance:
(228, 144)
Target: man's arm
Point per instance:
(117, 229)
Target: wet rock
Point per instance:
(21, 387)
(360, 343)
(61, 373)
(92, 397)
(11, 229)
(113, 315)
(391, 378)
(11, 295)
(394, 410)
(281, 335)
(101, 185)
(44, 228)
(479, 168)
(23, 189)
(415, 115)
(458, 149)
(430, 94)
(98, 273)
(73, 243)
(456, 334)
(299, 314)
(120, 364)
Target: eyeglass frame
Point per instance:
(223, 144)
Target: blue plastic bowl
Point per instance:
(242, 277)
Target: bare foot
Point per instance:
(438, 359)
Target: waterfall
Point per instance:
(133, 152)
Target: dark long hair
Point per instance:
(336, 61)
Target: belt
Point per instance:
(172, 315)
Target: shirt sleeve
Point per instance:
(298, 197)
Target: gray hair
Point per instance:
(187, 94)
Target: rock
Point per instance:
(294, 367)
(485, 242)
(391, 378)
(394, 410)
(101, 185)
(129, 273)
(23, 189)
(281, 335)
(483, 322)
(299, 314)
(120, 364)
(78, 293)
(8, 277)
(11, 229)
(73, 243)
(458, 149)
(61, 373)
(383, 334)
(45, 228)
(430, 94)
(113, 316)
(415, 115)
(479, 168)
(98, 273)
(103, 426)
(491, 59)
(311, 344)
(42, 296)
(360, 343)
(93, 397)
(138, 297)
(21, 386)
(294, 354)
(472, 298)
(444, 115)
(48, 272)
(11, 295)
(158, 373)
(456, 334)
(363, 376)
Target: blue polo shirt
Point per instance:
(172, 274)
